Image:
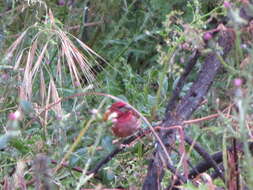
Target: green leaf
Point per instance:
(19, 145)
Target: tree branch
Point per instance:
(185, 108)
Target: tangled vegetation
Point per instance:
(184, 66)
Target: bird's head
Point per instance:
(116, 110)
(125, 120)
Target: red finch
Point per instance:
(125, 120)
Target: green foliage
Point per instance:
(146, 45)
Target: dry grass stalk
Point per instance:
(37, 62)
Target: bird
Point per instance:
(125, 120)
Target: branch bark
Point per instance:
(185, 109)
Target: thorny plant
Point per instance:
(51, 66)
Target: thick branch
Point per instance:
(181, 82)
(186, 107)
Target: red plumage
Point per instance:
(126, 121)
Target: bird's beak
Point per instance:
(108, 115)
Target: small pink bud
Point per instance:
(61, 2)
(14, 116)
(11, 116)
(207, 36)
(238, 82)
(227, 4)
